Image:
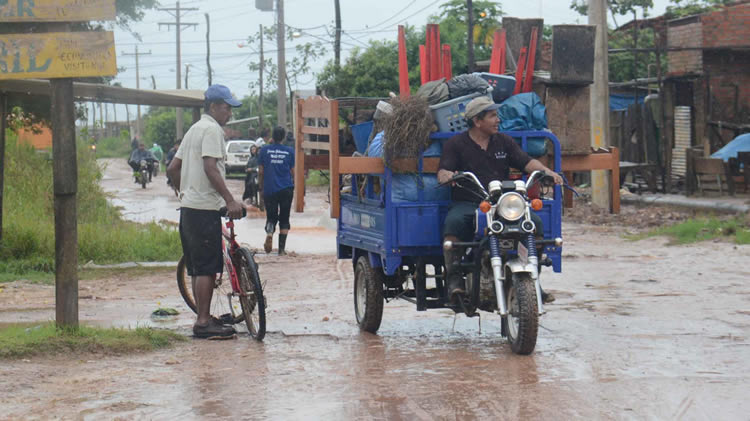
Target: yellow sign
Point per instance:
(56, 10)
(57, 55)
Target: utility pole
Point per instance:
(178, 24)
(187, 70)
(600, 179)
(153, 81)
(280, 91)
(470, 39)
(137, 86)
(208, 49)
(337, 42)
(260, 95)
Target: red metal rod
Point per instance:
(403, 65)
(423, 66)
(503, 52)
(531, 62)
(519, 71)
(447, 62)
(495, 57)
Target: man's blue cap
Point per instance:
(221, 92)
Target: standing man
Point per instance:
(490, 156)
(275, 172)
(197, 171)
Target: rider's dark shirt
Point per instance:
(460, 153)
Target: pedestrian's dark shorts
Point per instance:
(460, 221)
(200, 232)
(278, 207)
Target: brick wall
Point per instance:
(729, 82)
(685, 33)
(729, 27)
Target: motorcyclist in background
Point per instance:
(158, 154)
(139, 155)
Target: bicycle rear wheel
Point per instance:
(221, 306)
(251, 299)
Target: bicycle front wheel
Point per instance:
(222, 306)
(251, 298)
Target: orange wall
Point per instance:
(42, 140)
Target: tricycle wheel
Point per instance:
(522, 322)
(368, 295)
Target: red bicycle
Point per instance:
(244, 285)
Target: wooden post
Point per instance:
(196, 114)
(299, 161)
(65, 178)
(333, 156)
(615, 165)
(3, 106)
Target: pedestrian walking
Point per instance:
(276, 170)
(198, 172)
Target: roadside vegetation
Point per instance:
(23, 341)
(28, 241)
(733, 229)
(114, 147)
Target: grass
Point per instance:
(28, 242)
(21, 341)
(48, 278)
(113, 147)
(317, 178)
(702, 229)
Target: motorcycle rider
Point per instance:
(139, 155)
(489, 155)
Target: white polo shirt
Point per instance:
(204, 139)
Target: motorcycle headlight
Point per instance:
(511, 206)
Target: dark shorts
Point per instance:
(460, 221)
(278, 207)
(200, 232)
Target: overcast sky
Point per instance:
(232, 21)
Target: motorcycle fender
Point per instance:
(516, 266)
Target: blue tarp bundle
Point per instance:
(406, 187)
(525, 112)
(740, 143)
(622, 101)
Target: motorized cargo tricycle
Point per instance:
(396, 247)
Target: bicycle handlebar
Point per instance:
(223, 212)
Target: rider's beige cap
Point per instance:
(477, 105)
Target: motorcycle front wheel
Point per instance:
(144, 178)
(522, 322)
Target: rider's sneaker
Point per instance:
(268, 245)
(213, 330)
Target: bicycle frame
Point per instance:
(229, 247)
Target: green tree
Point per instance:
(160, 123)
(453, 21)
(694, 7)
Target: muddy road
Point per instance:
(640, 330)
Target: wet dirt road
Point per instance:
(639, 331)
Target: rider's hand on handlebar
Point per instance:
(234, 210)
(556, 176)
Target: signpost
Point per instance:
(56, 10)
(60, 56)
(57, 55)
